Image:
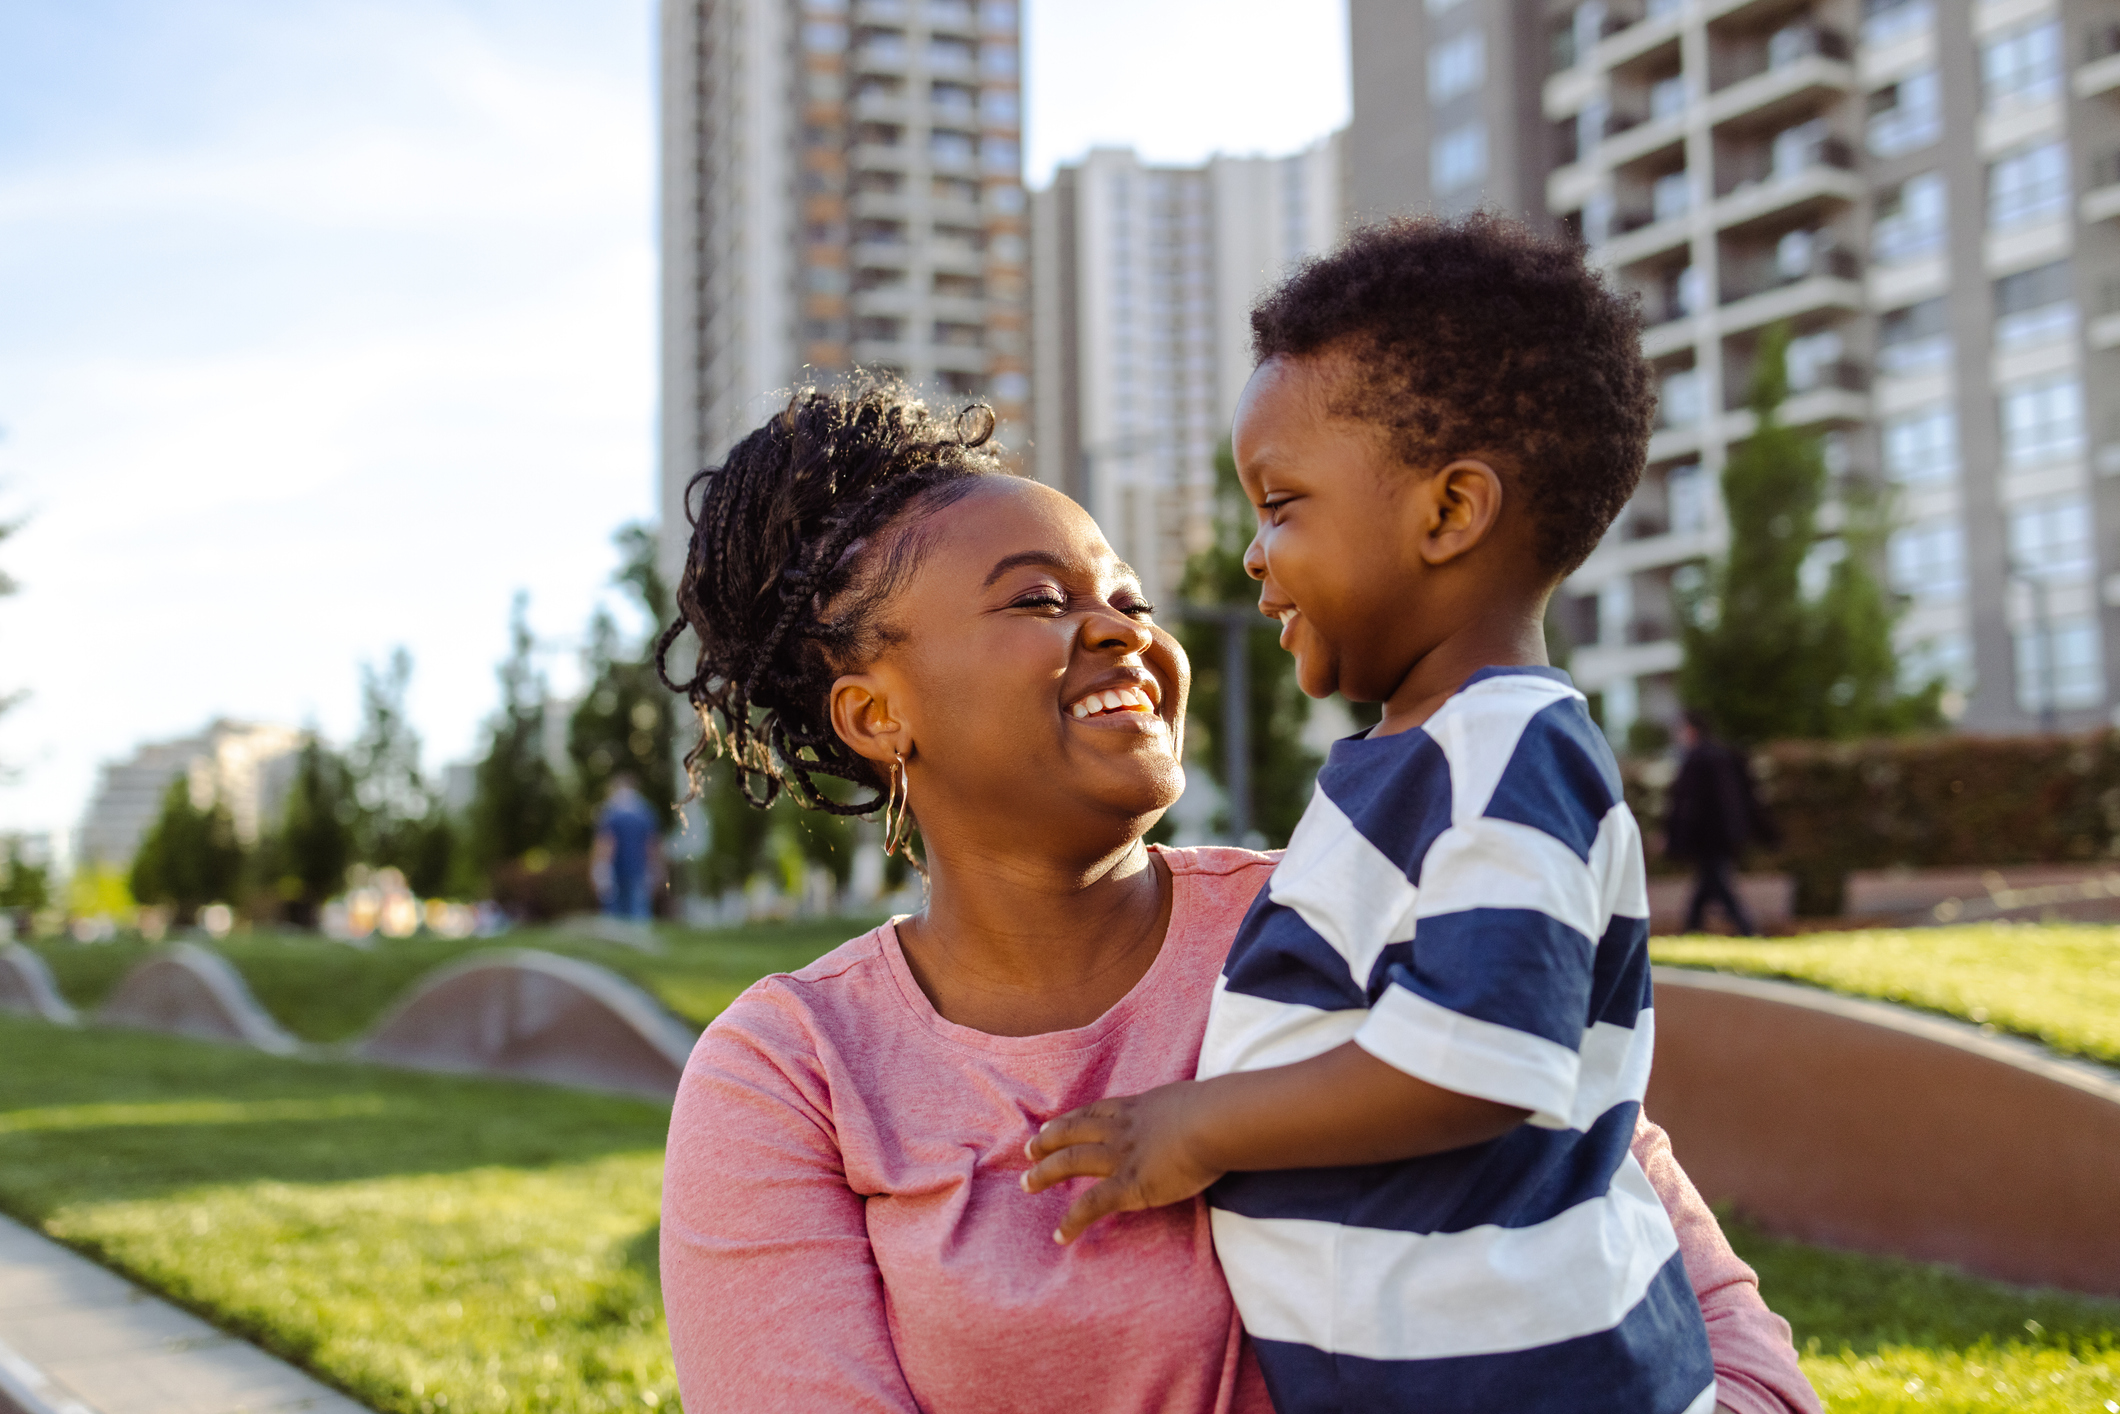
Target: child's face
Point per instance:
(1339, 520)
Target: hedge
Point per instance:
(1927, 802)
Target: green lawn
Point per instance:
(326, 991)
(2052, 982)
(433, 1243)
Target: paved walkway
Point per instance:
(76, 1339)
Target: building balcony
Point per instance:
(1835, 292)
(1826, 182)
(1596, 665)
(1668, 336)
(883, 107)
(2100, 71)
(1788, 92)
(1631, 140)
(959, 358)
(1645, 241)
(881, 157)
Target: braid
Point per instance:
(784, 586)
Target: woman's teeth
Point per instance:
(1285, 615)
(1117, 699)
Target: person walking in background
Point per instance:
(626, 862)
(1713, 816)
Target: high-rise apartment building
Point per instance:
(841, 185)
(1143, 281)
(1926, 193)
(245, 766)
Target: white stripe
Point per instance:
(1472, 1057)
(1616, 860)
(1501, 864)
(1250, 1033)
(1386, 1295)
(1615, 1067)
(1344, 887)
(1704, 1403)
(1478, 730)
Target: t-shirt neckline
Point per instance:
(1079, 1038)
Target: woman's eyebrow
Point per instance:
(1050, 561)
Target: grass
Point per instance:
(324, 991)
(425, 1243)
(2055, 983)
(1881, 1336)
(432, 1243)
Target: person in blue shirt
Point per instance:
(1427, 1051)
(626, 861)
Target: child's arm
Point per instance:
(1166, 1144)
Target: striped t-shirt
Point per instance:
(1466, 902)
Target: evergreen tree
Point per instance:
(23, 885)
(400, 822)
(1282, 768)
(1762, 660)
(190, 857)
(317, 840)
(516, 805)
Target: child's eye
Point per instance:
(1138, 606)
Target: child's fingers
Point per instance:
(1075, 1161)
(1099, 1201)
(1083, 1126)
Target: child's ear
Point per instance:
(862, 716)
(1466, 500)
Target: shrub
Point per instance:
(1929, 802)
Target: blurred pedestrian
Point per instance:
(626, 862)
(1713, 817)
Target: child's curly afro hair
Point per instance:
(1479, 336)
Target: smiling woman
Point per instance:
(844, 1220)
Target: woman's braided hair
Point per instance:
(784, 585)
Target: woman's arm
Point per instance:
(772, 1291)
(1755, 1365)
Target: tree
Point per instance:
(23, 885)
(626, 722)
(190, 856)
(1282, 767)
(307, 856)
(1762, 660)
(516, 803)
(8, 700)
(399, 820)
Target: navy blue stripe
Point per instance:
(1396, 790)
(1278, 956)
(1561, 779)
(1619, 978)
(1655, 1361)
(1515, 967)
(1519, 1180)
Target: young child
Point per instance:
(1428, 1048)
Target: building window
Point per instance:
(2028, 185)
(1927, 560)
(998, 61)
(1798, 149)
(1915, 340)
(1910, 220)
(2022, 66)
(1667, 97)
(824, 37)
(999, 15)
(1906, 115)
(1686, 499)
(1679, 404)
(1457, 66)
(1000, 155)
(1921, 448)
(2051, 539)
(1000, 106)
(1886, 22)
(1947, 657)
(2035, 306)
(1669, 195)
(2059, 666)
(1816, 360)
(950, 149)
(2042, 421)
(1459, 158)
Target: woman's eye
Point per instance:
(1138, 606)
(1046, 600)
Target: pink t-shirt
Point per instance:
(844, 1228)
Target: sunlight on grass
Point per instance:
(2055, 983)
(492, 1290)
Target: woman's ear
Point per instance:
(1466, 501)
(862, 715)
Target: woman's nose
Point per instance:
(1112, 629)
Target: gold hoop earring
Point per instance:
(896, 801)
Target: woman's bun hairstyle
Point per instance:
(793, 555)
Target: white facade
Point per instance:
(245, 766)
(841, 186)
(1144, 280)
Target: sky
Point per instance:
(326, 328)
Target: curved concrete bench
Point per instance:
(1864, 1126)
(537, 1016)
(27, 989)
(189, 991)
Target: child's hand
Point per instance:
(1144, 1148)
